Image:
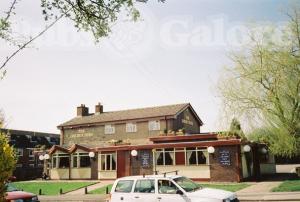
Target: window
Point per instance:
(196, 156)
(131, 127)
(165, 157)
(31, 165)
(166, 187)
(109, 129)
(144, 186)
(124, 186)
(30, 155)
(60, 161)
(19, 152)
(154, 125)
(108, 161)
(19, 165)
(81, 160)
(181, 156)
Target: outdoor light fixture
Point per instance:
(41, 157)
(247, 148)
(264, 150)
(91, 154)
(211, 150)
(134, 153)
(46, 156)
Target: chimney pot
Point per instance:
(99, 108)
(82, 110)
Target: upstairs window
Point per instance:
(109, 129)
(30, 154)
(19, 152)
(154, 125)
(131, 127)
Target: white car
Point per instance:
(162, 188)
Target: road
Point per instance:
(244, 197)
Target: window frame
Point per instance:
(131, 127)
(57, 160)
(78, 156)
(154, 125)
(109, 129)
(111, 162)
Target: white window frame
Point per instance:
(30, 156)
(154, 125)
(131, 127)
(111, 158)
(78, 155)
(19, 152)
(109, 129)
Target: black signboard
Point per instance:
(145, 159)
(224, 157)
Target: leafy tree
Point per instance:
(7, 162)
(263, 85)
(235, 130)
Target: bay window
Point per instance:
(60, 161)
(81, 160)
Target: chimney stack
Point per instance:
(82, 110)
(99, 108)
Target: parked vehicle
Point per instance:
(14, 195)
(162, 188)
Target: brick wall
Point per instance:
(228, 173)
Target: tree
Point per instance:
(94, 16)
(7, 161)
(235, 130)
(263, 85)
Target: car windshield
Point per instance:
(187, 184)
(10, 187)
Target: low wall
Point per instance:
(81, 173)
(107, 175)
(59, 173)
(196, 172)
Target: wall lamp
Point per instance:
(92, 155)
(211, 150)
(134, 153)
(246, 148)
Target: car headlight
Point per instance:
(35, 198)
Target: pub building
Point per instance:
(108, 145)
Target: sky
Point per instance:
(174, 54)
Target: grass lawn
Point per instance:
(101, 190)
(50, 188)
(289, 185)
(228, 187)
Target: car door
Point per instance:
(122, 191)
(168, 191)
(144, 190)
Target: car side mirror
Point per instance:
(179, 192)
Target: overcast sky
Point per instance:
(173, 55)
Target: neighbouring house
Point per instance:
(109, 145)
(28, 146)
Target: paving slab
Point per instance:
(260, 187)
(269, 196)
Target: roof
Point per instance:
(130, 114)
(30, 139)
